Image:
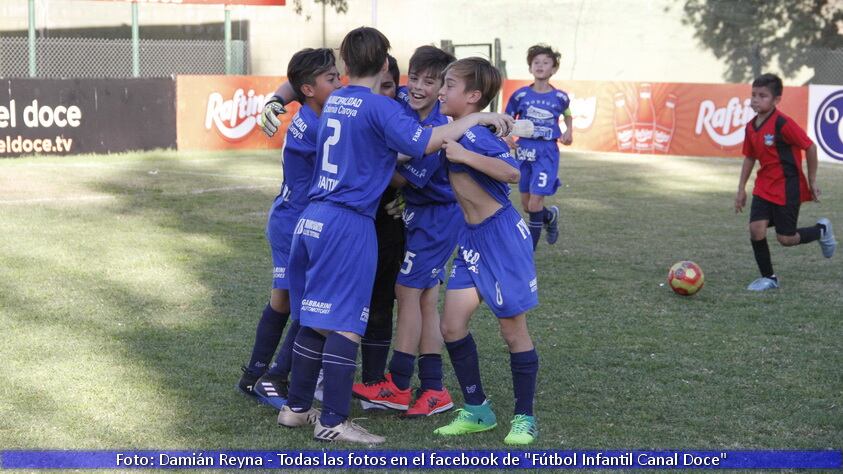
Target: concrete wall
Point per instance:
(631, 40)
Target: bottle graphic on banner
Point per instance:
(623, 123)
(665, 125)
(645, 118)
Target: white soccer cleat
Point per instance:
(291, 419)
(346, 431)
(763, 284)
(827, 242)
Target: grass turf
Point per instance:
(130, 287)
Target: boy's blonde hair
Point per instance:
(479, 75)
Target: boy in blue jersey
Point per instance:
(542, 104)
(313, 76)
(374, 347)
(494, 261)
(390, 235)
(433, 220)
(333, 255)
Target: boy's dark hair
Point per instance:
(431, 60)
(543, 49)
(770, 81)
(364, 50)
(305, 65)
(479, 75)
(393, 69)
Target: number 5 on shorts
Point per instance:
(408, 259)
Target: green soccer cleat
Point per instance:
(523, 431)
(471, 419)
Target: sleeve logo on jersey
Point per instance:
(534, 285)
(418, 133)
(313, 306)
(769, 139)
(470, 135)
(364, 316)
(416, 172)
(309, 228)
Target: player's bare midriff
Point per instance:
(476, 204)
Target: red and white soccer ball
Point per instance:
(685, 278)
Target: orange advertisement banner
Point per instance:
(221, 112)
(667, 118)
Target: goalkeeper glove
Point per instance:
(268, 120)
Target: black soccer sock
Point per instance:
(810, 234)
(401, 368)
(267, 337)
(430, 371)
(762, 257)
(525, 368)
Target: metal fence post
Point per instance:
(227, 40)
(135, 41)
(32, 62)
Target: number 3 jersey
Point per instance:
(359, 133)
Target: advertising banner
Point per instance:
(664, 118)
(825, 121)
(72, 116)
(221, 112)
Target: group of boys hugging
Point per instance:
(381, 184)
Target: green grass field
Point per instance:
(130, 287)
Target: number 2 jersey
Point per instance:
(359, 133)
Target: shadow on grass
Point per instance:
(624, 362)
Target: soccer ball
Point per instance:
(685, 278)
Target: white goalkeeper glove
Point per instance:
(268, 120)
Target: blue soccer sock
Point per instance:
(339, 361)
(466, 364)
(307, 360)
(430, 371)
(375, 352)
(267, 336)
(401, 368)
(536, 224)
(525, 368)
(284, 359)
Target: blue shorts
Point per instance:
(432, 233)
(539, 166)
(332, 268)
(496, 257)
(279, 233)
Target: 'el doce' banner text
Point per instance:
(222, 112)
(664, 118)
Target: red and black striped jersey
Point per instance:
(777, 144)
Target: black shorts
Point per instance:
(783, 218)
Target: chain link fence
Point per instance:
(112, 58)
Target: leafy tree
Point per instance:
(749, 34)
(341, 6)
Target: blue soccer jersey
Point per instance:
(428, 175)
(543, 109)
(358, 131)
(298, 156)
(482, 141)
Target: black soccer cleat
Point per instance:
(247, 381)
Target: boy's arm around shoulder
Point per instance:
(494, 168)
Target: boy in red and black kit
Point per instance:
(777, 142)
